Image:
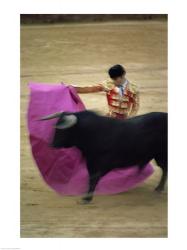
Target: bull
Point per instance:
(108, 143)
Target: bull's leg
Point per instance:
(93, 180)
(162, 182)
(163, 165)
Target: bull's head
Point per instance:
(63, 136)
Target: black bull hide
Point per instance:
(108, 143)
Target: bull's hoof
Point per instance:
(84, 202)
(159, 189)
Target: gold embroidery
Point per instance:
(118, 110)
(114, 103)
(119, 98)
(108, 85)
(132, 88)
(124, 105)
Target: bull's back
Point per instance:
(122, 143)
(107, 133)
(148, 133)
(158, 119)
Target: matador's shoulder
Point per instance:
(133, 88)
(108, 85)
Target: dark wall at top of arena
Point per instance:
(65, 18)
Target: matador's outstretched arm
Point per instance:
(89, 89)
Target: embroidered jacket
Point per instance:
(123, 101)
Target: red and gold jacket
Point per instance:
(123, 101)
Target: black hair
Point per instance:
(116, 71)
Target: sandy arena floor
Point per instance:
(81, 54)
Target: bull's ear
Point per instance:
(51, 116)
(67, 122)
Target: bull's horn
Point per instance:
(68, 121)
(51, 116)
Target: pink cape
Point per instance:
(65, 170)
